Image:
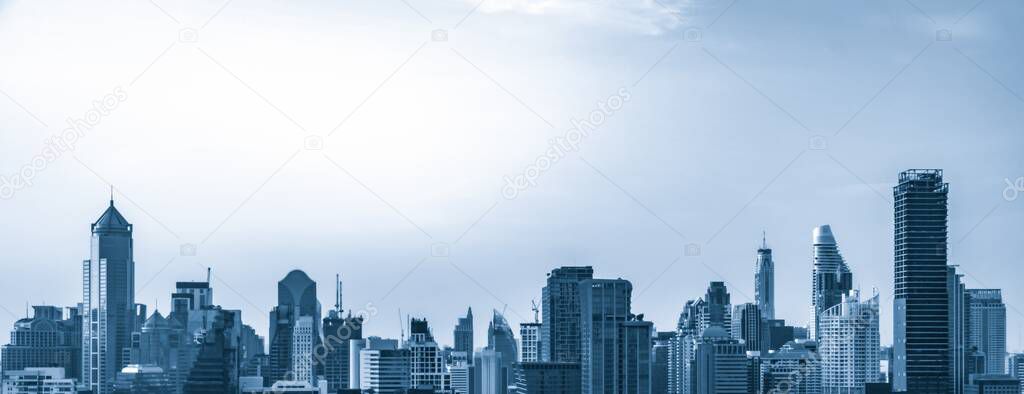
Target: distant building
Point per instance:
(464, 333)
(529, 338)
(46, 340)
(961, 351)
(383, 367)
(296, 298)
(560, 334)
(988, 327)
(794, 369)
(992, 384)
(748, 327)
(501, 339)
(1016, 368)
(605, 306)
(143, 379)
(488, 375)
(634, 357)
(547, 378)
(849, 345)
(719, 364)
(427, 364)
(660, 362)
(37, 381)
(831, 278)
(764, 281)
(778, 334)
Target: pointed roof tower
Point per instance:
(111, 220)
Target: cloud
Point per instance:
(646, 16)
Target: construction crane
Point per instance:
(535, 310)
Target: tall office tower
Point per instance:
(46, 340)
(719, 364)
(921, 335)
(336, 340)
(715, 310)
(794, 369)
(383, 367)
(464, 334)
(634, 357)
(604, 307)
(560, 335)
(961, 351)
(529, 337)
(748, 326)
(660, 361)
(108, 299)
(764, 281)
(831, 278)
(501, 339)
(302, 351)
(425, 359)
(296, 298)
(1017, 368)
(988, 327)
(680, 348)
(849, 345)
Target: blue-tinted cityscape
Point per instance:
(585, 337)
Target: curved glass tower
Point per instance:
(831, 279)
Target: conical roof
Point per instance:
(111, 220)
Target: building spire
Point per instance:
(764, 240)
(111, 195)
(337, 293)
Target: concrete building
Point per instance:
(529, 339)
(988, 327)
(37, 381)
(560, 334)
(849, 345)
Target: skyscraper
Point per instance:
(634, 357)
(464, 334)
(529, 337)
(764, 281)
(108, 299)
(604, 307)
(831, 278)
(501, 339)
(794, 369)
(748, 326)
(988, 327)
(338, 332)
(921, 336)
(560, 336)
(296, 298)
(965, 359)
(719, 364)
(849, 345)
(716, 308)
(425, 359)
(46, 340)
(383, 367)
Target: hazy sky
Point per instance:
(211, 107)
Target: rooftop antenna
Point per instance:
(337, 292)
(764, 240)
(401, 325)
(535, 311)
(209, 273)
(111, 195)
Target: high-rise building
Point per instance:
(338, 332)
(604, 306)
(634, 357)
(1016, 368)
(560, 335)
(849, 345)
(501, 339)
(716, 309)
(764, 281)
(163, 343)
(748, 327)
(794, 369)
(45, 340)
(108, 301)
(383, 367)
(529, 337)
(216, 368)
(961, 351)
(302, 369)
(296, 298)
(464, 333)
(831, 278)
(660, 362)
(988, 327)
(488, 375)
(719, 364)
(921, 336)
(426, 363)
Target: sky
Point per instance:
(419, 148)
